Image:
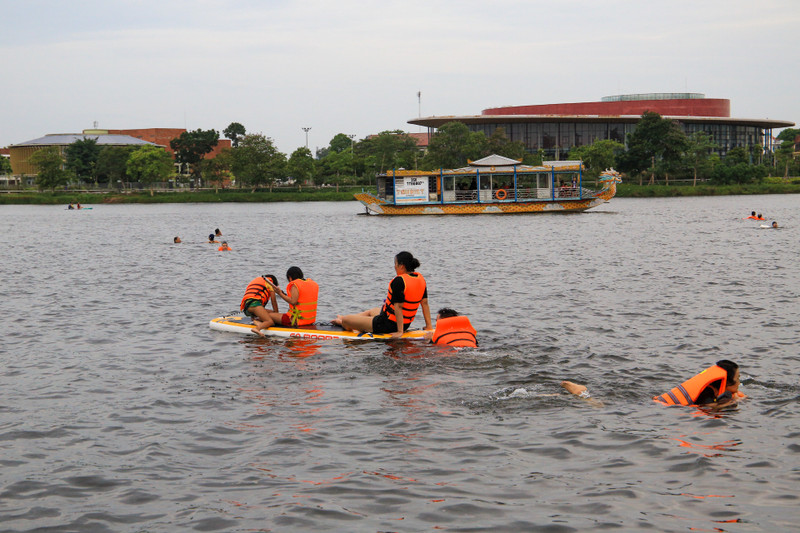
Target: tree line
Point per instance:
(657, 150)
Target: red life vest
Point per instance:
(413, 292)
(687, 392)
(455, 331)
(257, 290)
(304, 312)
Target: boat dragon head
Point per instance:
(609, 176)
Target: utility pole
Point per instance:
(306, 130)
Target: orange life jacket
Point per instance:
(751, 217)
(455, 331)
(760, 218)
(257, 290)
(224, 249)
(304, 312)
(412, 293)
(687, 392)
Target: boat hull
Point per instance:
(376, 206)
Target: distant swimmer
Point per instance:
(774, 224)
(211, 238)
(752, 216)
(256, 295)
(408, 292)
(716, 386)
(225, 247)
(301, 295)
(176, 240)
(760, 217)
(453, 330)
(217, 232)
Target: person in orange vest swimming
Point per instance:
(301, 295)
(453, 330)
(752, 216)
(408, 292)
(716, 386)
(760, 217)
(256, 295)
(224, 247)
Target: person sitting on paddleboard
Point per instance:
(224, 247)
(71, 206)
(256, 295)
(453, 330)
(407, 293)
(301, 295)
(717, 386)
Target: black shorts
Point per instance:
(382, 324)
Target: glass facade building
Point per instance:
(556, 128)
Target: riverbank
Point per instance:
(624, 190)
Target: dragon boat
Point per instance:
(492, 185)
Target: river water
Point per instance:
(121, 410)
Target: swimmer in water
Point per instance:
(774, 224)
(176, 240)
(224, 247)
(211, 238)
(717, 386)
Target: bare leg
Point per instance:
(263, 321)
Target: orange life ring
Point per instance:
(500, 194)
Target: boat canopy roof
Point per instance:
(493, 163)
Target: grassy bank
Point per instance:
(202, 196)
(624, 190)
(629, 190)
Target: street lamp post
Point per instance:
(352, 157)
(306, 130)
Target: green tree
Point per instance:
(698, 153)
(81, 158)
(5, 165)
(387, 150)
(341, 143)
(214, 171)
(112, 164)
(192, 146)
(149, 164)
(598, 156)
(257, 161)
(301, 165)
(50, 165)
(453, 144)
(657, 144)
(499, 143)
(233, 132)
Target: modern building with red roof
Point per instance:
(556, 128)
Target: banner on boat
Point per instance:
(412, 190)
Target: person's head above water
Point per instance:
(774, 224)
(217, 232)
(294, 273)
(752, 213)
(210, 236)
(446, 312)
(408, 261)
(176, 240)
(732, 381)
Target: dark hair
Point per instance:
(729, 367)
(210, 236)
(217, 231)
(175, 239)
(270, 277)
(446, 312)
(407, 260)
(294, 273)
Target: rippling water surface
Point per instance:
(121, 411)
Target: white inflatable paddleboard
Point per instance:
(243, 326)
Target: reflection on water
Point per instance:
(122, 411)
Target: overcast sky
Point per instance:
(355, 67)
